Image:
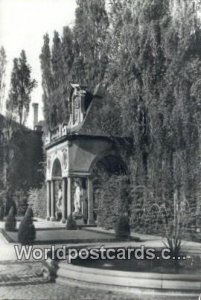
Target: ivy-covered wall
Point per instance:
(22, 163)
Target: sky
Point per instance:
(23, 24)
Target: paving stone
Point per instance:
(20, 281)
(54, 291)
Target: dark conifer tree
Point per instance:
(27, 232)
(20, 90)
(3, 63)
(149, 61)
(153, 78)
(90, 31)
(47, 78)
(67, 52)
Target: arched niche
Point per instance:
(56, 169)
(103, 168)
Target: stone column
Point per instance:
(64, 200)
(90, 201)
(69, 208)
(48, 200)
(52, 200)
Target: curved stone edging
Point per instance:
(128, 280)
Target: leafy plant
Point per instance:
(174, 241)
(148, 59)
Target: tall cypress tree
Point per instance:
(90, 33)
(2, 75)
(21, 88)
(59, 94)
(56, 65)
(47, 78)
(67, 52)
(155, 81)
(57, 61)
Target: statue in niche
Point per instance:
(79, 198)
(59, 204)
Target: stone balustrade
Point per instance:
(56, 133)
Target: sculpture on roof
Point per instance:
(79, 100)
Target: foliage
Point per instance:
(21, 150)
(10, 224)
(56, 69)
(21, 88)
(47, 81)
(146, 54)
(67, 52)
(71, 223)
(174, 240)
(122, 227)
(78, 56)
(37, 200)
(90, 32)
(113, 200)
(20, 198)
(153, 72)
(27, 232)
(184, 219)
(21, 168)
(3, 63)
(22, 174)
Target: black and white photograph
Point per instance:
(100, 149)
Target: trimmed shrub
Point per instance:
(71, 223)
(122, 228)
(29, 213)
(10, 202)
(10, 223)
(27, 232)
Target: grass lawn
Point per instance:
(60, 236)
